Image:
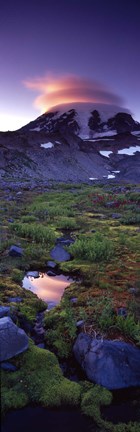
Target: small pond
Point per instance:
(48, 288)
(38, 418)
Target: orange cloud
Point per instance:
(69, 88)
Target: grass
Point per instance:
(35, 232)
(95, 249)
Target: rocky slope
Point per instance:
(74, 143)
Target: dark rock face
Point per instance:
(122, 122)
(94, 122)
(15, 251)
(13, 340)
(52, 123)
(59, 254)
(113, 365)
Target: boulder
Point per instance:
(111, 364)
(51, 273)
(60, 254)
(51, 264)
(4, 310)
(15, 251)
(34, 274)
(65, 241)
(122, 311)
(15, 299)
(74, 300)
(116, 215)
(80, 323)
(13, 340)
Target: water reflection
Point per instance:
(48, 288)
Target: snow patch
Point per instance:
(36, 129)
(105, 134)
(110, 176)
(129, 151)
(98, 139)
(47, 145)
(135, 133)
(105, 153)
(116, 172)
(93, 178)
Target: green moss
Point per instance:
(39, 380)
(93, 399)
(91, 403)
(17, 275)
(61, 329)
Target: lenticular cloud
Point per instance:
(54, 91)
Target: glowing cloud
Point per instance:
(66, 89)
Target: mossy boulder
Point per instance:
(112, 364)
(38, 379)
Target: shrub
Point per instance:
(129, 327)
(95, 249)
(67, 223)
(36, 232)
(131, 219)
(28, 218)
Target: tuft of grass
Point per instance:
(35, 232)
(96, 249)
(130, 219)
(17, 275)
(67, 223)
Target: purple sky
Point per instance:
(95, 40)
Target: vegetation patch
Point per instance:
(105, 261)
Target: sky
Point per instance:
(59, 51)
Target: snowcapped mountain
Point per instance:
(86, 120)
(74, 143)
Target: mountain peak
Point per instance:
(86, 120)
